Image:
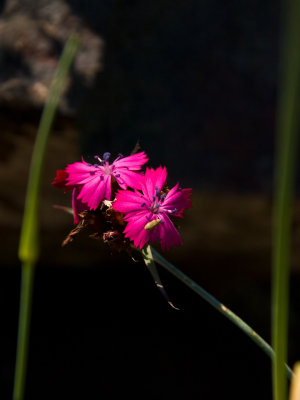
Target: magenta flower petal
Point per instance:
(140, 209)
(135, 229)
(127, 178)
(127, 201)
(79, 172)
(154, 234)
(95, 191)
(141, 239)
(188, 203)
(169, 235)
(154, 179)
(77, 205)
(137, 222)
(177, 199)
(94, 181)
(133, 162)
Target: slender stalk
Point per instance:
(24, 323)
(29, 244)
(287, 130)
(218, 306)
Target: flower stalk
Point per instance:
(157, 257)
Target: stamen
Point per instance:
(119, 156)
(162, 196)
(106, 156)
(153, 197)
(98, 158)
(88, 164)
(173, 211)
(156, 205)
(143, 204)
(102, 178)
(96, 165)
(156, 191)
(117, 175)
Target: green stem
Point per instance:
(287, 130)
(23, 334)
(218, 306)
(29, 243)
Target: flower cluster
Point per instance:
(122, 203)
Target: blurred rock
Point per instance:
(32, 36)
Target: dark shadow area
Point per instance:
(108, 332)
(202, 74)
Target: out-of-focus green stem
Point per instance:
(27, 279)
(29, 243)
(218, 306)
(287, 131)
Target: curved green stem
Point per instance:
(218, 306)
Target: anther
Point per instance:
(98, 158)
(163, 196)
(106, 156)
(117, 175)
(153, 197)
(143, 204)
(156, 191)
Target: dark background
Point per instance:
(195, 83)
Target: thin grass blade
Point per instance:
(287, 140)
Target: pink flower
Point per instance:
(60, 181)
(148, 214)
(94, 181)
